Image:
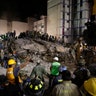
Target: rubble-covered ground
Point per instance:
(44, 51)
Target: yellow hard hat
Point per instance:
(11, 62)
(90, 86)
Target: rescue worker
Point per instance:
(54, 72)
(39, 71)
(55, 76)
(79, 47)
(66, 88)
(58, 79)
(89, 86)
(72, 54)
(81, 73)
(15, 83)
(34, 87)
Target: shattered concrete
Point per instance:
(43, 51)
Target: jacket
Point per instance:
(12, 74)
(55, 68)
(38, 71)
(66, 89)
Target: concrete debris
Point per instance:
(40, 50)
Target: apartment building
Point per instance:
(66, 18)
(32, 24)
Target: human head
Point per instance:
(66, 75)
(81, 38)
(82, 62)
(55, 67)
(62, 68)
(38, 62)
(11, 62)
(56, 59)
(92, 69)
(14, 52)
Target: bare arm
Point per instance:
(25, 63)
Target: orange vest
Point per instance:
(11, 77)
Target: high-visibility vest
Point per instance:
(11, 77)
(55, 68)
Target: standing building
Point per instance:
(31, 21)
(40, 25)
(80, 15)
(66, 18)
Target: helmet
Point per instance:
(11, 62)
(62, 68)
(81, 57)
(56, 58)
(34, 86)
(38, 62)
(90, 86)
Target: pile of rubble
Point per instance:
(43, 51)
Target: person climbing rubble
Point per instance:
(39, 71)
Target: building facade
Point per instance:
(10, 26)
(32, 24)
(80, 15)
(40, 25)
(66, 18)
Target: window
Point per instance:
(68, 6)
(80, 31)
(68, 13)
(80, 14)
(81, 3)
(67, 21)
(63, 6)
(42, 26)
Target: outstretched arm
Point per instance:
(25, 63)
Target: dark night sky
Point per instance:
(22, 8)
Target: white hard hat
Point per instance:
(85, 44)
(38, 61)
(56, 58)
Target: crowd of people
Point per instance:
(61, 81)
(39, 35)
